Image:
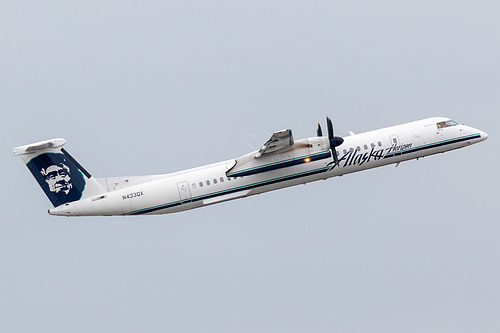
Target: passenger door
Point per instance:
(395, 144)
(184, 192)
(418, 138)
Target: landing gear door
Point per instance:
(184, 192)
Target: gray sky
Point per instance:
(158, 86)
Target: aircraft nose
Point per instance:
(484, 135)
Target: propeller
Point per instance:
(319, 131)
(335, 141)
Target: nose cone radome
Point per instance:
(484, 135)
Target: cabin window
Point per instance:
(373, 145)
(366, 147)
(380, 144)
(215, 181)
(345, 151)
(221, 180)
(201, 184)
(193, 185)
(447, 123)
(358, 148)
(208, 182)
(394, 140)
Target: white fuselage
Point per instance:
(310, 161)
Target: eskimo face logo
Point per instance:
(58, 178)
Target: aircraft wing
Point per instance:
(280, 141)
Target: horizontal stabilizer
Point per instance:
(33, 147)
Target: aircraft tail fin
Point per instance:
(59, 175)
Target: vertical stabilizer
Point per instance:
(59, 175)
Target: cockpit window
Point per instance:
(447, 123)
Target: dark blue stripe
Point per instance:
(281, 165)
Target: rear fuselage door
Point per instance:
(184, 192)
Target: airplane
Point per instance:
(281, 162)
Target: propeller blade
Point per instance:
(335, 156)
(335, 141)
(330, 128)
(319, 131)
